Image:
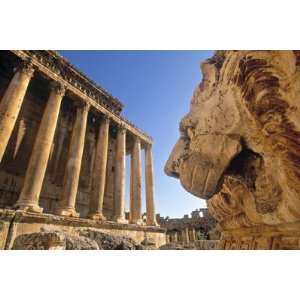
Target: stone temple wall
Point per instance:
(63, 148)
(18, 152)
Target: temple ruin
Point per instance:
(197, 231)
(63, 145)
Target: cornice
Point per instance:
(57, 68)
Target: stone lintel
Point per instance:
(114, 117)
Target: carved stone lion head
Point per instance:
(240, 142)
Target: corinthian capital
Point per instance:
(121, 128)
(58, 88)
(105, 119)
(148, 146)
(26, 67)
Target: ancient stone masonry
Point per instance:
(63, 143)
(240, 147)
(189, 231)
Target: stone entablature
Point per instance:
(68, 72)
(59, 144)
(55, 67)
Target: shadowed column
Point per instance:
(11, 103)
(185, 236)
(37, 165)
(99, 172)
(135, 216)
(57, 157)
(119, 186)
(149, 186)
(72, 171)
(193, 234)
(175, 237)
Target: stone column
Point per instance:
(135, 216)
(168, 238)
(99, 172)
(175, 237)
(92, 153)
(190, 235)
(185, 236)
(38, 161)
(193, 234)
(149, 186)
(57, 156)
(119, 184)
(73, 166)
(11, 103)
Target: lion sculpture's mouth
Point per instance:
(244, 166)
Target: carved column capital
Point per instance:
(137, 139)
(58, 87)
(26, 67)
(106, 119)
(86, 106)
(11, 102)
(121, 128)
(148, 146)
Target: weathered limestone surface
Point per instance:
(71, 178)
(149, 187)
(39, 231)
(240, 147)
(199, 245)
(99, 172)
(63, 147)
(200, 226)
(36, 169)
(11, 103)
(135, 216)
(119, 184)
(85, 239)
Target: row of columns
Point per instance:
(35, 173)
(187, 235)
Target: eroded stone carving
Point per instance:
(240, 144)
(83, 239)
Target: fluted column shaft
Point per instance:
(99, 172)
(136, 183)
(72, 171)
(119, 184)
(149, 187)
(38, 161)
(11, 103)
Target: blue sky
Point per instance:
(156, 89)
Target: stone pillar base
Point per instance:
(96, 217)
(120, 220)
(28, 207)
(137, 222)
(68, 212)
(154, 224)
